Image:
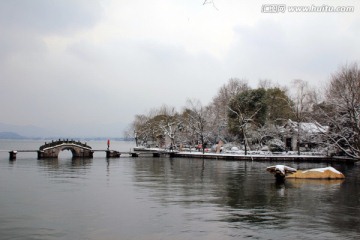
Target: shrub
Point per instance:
(276, 145)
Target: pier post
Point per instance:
(134, 154)
(12, 155)
(112, 154)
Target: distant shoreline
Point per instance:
(15, 136)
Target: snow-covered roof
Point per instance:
(308, 127)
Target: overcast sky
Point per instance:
(86, 67)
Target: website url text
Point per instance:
(282, 8)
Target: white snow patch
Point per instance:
(323, 170)
(282, 168)
(286, 168)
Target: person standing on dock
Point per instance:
(108, 144)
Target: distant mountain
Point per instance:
(27, 131)
(10, 135)
(105, 131)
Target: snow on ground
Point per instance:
(254, 154)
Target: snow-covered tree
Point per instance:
(279, 106)
(142, 129)
(276, 145)
(197, 121)
(247, 109)
(157, 125)
(168, 122)
(342, 109)
(301, 104)
(219, 106)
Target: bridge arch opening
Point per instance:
(66, 154)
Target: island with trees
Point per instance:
(266, 119)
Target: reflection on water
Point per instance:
(65, 169)
(333, 183)
(68, 164)
(247, 197)
(171, 198)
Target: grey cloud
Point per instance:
(20, 45)
(23, 24)
(49, 16)
(310, 48)
(95, 86)
(141, 75)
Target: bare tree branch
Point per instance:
(210, 2)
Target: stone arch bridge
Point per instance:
(52, 149)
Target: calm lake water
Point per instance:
(162, 198)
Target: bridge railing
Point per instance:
(64, 141)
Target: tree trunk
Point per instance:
(245, 141)
(202, 144)
(298, 138)
(245, 147)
